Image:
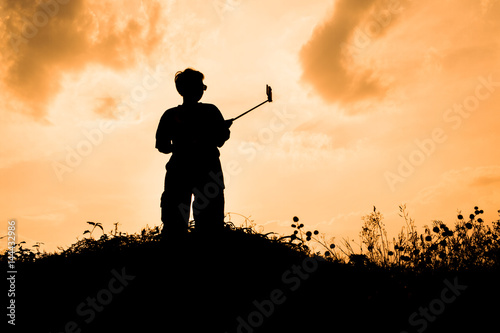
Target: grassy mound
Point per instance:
(242, 281)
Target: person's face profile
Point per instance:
(197, 89)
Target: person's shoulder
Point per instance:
(209, 107)
(173, 110)
(170, 112)
(206, 105)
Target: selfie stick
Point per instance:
(269, 93)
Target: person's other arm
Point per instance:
(163, 135)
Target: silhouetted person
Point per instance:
(192, 132)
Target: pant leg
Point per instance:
(175, 203)
(208, 206)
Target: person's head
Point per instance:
(189, 84)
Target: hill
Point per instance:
(241, 282)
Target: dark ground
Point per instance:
(229, 286)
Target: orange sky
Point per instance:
(377, 102)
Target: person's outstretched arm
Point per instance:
(222, 131)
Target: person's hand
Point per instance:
(165, 147)
(228, 122)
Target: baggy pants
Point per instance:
(207, 185)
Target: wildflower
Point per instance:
(301, 226)
(295, 219)
(428, 238)
(468, 225)
(481, 211)
(472, 216)
(309, 234)
(480, 220)
(460, 217)
(293, 225)
(435, 229)
(332, 246)
(476, 208)
(295, 232)
(316, 232)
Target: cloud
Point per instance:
(107, 107)
(486, 176)
(479, 182)
(489, 6)
(304, 151)
(41, 41)
(325, 62)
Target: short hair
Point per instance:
(185, 79)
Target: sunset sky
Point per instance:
(376, 103)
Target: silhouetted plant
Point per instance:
(248, 225)
(471, 243)
(296, 239)
(37, 247)
(299, 240)
(374, 236)
(94, 224)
